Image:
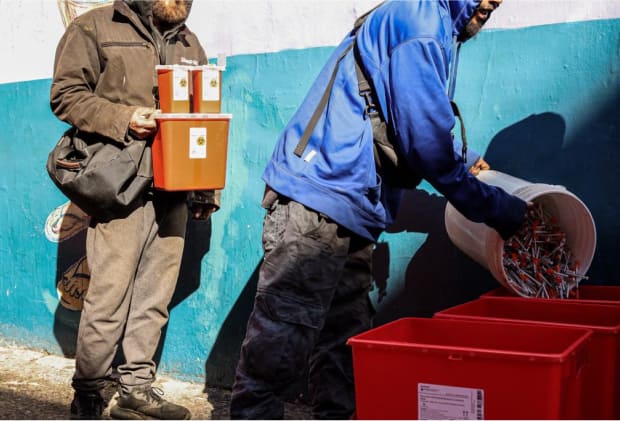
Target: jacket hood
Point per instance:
(461, 12)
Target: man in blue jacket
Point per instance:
(327, 203)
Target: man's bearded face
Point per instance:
(171, 11)
(480, 17)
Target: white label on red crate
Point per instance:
(197, 142)
(438, 402)
(210, 85)
(180, 90)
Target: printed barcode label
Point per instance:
(479, 411)
(449, 402)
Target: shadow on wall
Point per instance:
(73, 273)
(438, 275)
(222, 360)
(197, 245)
(535, 149)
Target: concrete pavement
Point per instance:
(36, 386)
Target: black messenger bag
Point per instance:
(103, 178)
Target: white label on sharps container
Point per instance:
(437, 402)
(197, 142)
(210, 85)
(180, 82)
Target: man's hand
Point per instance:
(142, 123)
(480, 165)
(202, 211)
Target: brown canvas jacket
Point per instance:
(105, 68)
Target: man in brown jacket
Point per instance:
(104, 79)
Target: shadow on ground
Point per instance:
(28, 402)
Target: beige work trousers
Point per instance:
(134, 263)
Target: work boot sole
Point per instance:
(119, 413)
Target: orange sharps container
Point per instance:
(174, 88)
(190, 151)
(207, 88)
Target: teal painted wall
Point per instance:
(540, 103)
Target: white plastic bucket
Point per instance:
(485, 246)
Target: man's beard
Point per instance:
(171, 12)
(474, 25)
(470, 30)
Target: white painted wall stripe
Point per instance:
(523, 13)
(31, 29)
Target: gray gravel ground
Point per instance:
(36, 386)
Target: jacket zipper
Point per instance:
(124, 44)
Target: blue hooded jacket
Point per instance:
(405, 49)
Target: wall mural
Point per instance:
(70, 9)
(66, 222)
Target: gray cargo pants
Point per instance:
(312, 296)
(134, 264)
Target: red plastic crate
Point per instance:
(602, 376)
(592, 294)
(420, 368)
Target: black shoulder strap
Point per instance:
(457, 113)
(303, 141)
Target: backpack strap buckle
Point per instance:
(370, 110)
